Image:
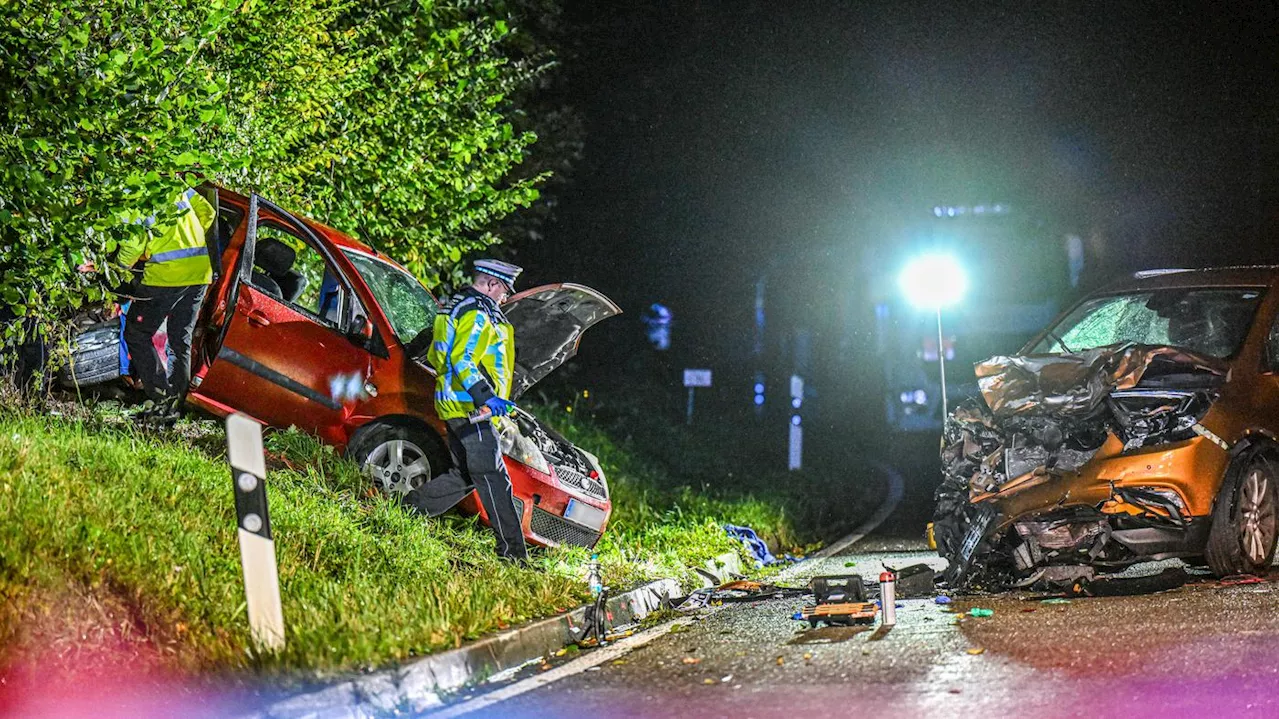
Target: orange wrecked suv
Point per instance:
(1140, 425)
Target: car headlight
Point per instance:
(520, 448)
(1145, 417)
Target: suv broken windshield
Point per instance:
(1210, 322)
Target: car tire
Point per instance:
(95, 357)
(398, 456)
(1242, 537)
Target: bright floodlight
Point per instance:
(933, 281)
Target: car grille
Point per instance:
(519, 507)
(578, 480)
(560, 530)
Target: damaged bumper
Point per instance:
(1074, 463)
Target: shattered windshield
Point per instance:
(1211, 322)
(406, 303)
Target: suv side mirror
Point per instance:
(361, 329)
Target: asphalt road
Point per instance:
(1204, 649)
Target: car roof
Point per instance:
(1237, 276)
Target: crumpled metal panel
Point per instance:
(1075, 385)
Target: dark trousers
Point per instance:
(151, 308)
(480, 467)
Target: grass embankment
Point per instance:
(138, 524)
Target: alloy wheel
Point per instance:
(398, 466)
(1257, 507)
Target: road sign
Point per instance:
(697, 378)
(257, 548)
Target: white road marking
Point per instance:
(577, 666)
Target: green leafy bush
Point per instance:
(390, 121)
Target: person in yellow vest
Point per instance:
(174, 282)
(473, 353)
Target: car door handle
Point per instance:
(257, 318)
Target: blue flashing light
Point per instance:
(759, 400)
(795, 402)
(795, 419)
(759, 388)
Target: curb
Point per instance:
(418, 687)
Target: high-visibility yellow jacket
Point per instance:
(473, 352)
(176, 255)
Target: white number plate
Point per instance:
(584, 514)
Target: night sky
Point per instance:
(725, 140)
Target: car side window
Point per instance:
(1271, 354)
(288, 267)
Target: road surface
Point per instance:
(1204, 649)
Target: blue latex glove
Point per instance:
(500, 407)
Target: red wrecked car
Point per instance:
(305, 326)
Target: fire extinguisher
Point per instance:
(888, 598)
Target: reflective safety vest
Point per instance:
(176, 255)
(473, 352)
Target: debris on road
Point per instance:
(1167, 579)
(975, 650)
(913, 582)
(691, 660)
(977, 612)
(723, 568)
(1240, 579)
(736, 591)
(841, 613)
(840, 599)
(942, 599)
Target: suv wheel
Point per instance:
(398, 458)
(1242, 539)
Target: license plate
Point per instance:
(584, 514)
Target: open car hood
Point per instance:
(549, 322)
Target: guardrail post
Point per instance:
(257, 548)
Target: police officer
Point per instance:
(473, 353)
(174, 283)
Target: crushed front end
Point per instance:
(1077, 464)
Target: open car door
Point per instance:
(549, 322)
(296, 347)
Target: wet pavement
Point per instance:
(1201, 649)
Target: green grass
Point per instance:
(144, 520)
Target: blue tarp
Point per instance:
(754, 544)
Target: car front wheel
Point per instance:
(398, 458)
(1242, 539)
